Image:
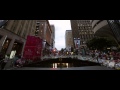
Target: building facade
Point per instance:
(101, 28)
(107, 28)
(53, 36)
(115, 28)
(13, 35)
(68, 39)
(82, 29)
(2, 22)
(43, 30)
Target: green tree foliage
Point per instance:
(62, 50)
(100, 43)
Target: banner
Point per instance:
(77, 44)
(33, 48)
(32, 52)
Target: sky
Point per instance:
(60, 27)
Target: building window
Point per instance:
(37, 22)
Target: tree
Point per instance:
(62, 50)
(100, 43)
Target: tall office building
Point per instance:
(43, 30)
(13, 35)
(68, 39)
(107, 28)
(53, 36)
(82, 29)
(115, 28)
(101, 28)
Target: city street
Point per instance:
(74, 64)
(71, 68)
(73, 45)
(80, 63)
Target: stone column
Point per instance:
(23, 48)
(10, 46)
(2, 41)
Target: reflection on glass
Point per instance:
(53, 65)
(67, 65)
(57, 65)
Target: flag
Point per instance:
(77, 44)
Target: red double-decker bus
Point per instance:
(33, 48)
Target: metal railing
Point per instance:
(71, 56)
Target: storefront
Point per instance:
(5, 45)
(17, 47)
(11, 44)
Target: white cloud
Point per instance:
(60, 27)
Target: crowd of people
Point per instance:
(19, 61)
(106, 56)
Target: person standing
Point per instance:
(97, 54)
(4, 62)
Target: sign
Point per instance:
(33, 48)
(20, 39)
(77, 43)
